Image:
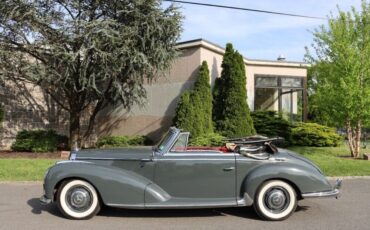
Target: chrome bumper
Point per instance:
(333, 193)
(44, 200)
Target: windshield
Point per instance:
(164, 141)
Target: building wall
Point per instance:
(156, 114)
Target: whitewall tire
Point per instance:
(78, 199)
(275, 200)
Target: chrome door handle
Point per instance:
(228, 169)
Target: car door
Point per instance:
(200, 177)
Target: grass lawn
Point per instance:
(24, 169)
(335, 161)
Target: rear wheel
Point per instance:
(78, 199)
(275, 200)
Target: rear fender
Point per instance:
(303, 179)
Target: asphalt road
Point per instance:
(20, 209)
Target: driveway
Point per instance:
(20, 209)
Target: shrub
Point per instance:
(271, 124)
(231, 113)
(122, 141)
(194, 110)
(313, 134)
(210, 139)
(39, 141)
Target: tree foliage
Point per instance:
(87, 54)
(341, 72)
(231, 113)
(194, 110)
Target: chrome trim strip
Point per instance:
(332, 193)
(109, 158)
(220, 154)
(134, 206)
(193, 159)
(193, 205)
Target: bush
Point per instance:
(210, 139)
(122, 141)
(231, 113)
(271, 124)
(39, 141)
(312, 134)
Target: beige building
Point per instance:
(271, 85)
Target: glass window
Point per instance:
(181, 143)
(266, 81)
(266, 99)
(291, 82)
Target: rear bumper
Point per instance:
(335, 192)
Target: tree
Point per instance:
(184, 113)
(87, 54)
(231, 112)
(341, 72)
(194, 110)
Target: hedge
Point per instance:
(210, 139)
(122, 141)
(313, 134)
(39, 141)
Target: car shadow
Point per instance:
(243, 212)
(38, 209)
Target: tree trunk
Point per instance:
(350, 137)
(354, 138)
(358, 138)
(74, 129)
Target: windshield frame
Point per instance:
(167, 140)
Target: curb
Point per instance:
(348, 177)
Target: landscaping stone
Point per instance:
(367, 156)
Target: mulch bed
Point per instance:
(30, 155)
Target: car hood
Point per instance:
(115, 153)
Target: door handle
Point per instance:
(228, 169)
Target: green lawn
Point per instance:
(24, 169)
(335, 161)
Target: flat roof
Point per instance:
(221, 50)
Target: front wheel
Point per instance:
(78, 199)
(275, 200)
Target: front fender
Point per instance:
(116, 186)
(304, 179)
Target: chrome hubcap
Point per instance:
(79, 199)
(277, 199)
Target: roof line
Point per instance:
(221, 50)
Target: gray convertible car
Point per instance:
(249, 171)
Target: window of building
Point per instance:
(280, 93)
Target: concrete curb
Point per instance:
(348, 177)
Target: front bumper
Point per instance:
(332, 193)
(44, 200)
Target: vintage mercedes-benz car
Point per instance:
(250, 171)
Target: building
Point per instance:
(271, 85)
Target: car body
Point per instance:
(173, 175)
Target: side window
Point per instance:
(181, 143)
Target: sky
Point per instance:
(257, 35)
